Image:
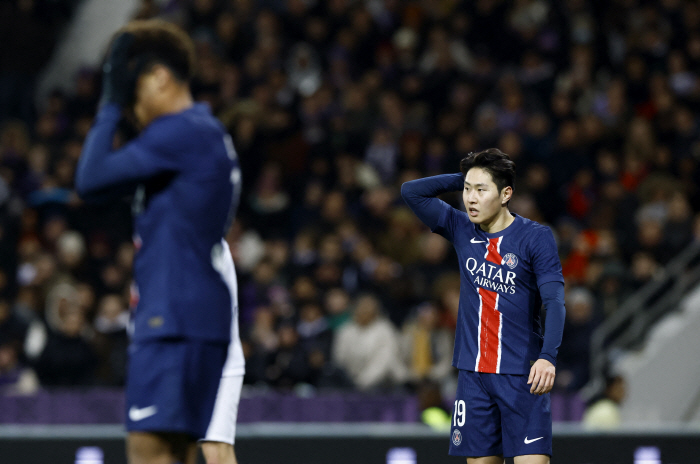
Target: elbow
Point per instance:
(407, 190)
(80, 190)
(82, 194)
(82, 186)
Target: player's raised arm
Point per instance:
(100, 167)
(420, 195)
(94, 173)
(117, 90)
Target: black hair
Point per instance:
(160, 42)
(495, 162)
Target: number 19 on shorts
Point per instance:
(460, 413)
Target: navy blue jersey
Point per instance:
(498, 328)
(188, 181)
(499, 318)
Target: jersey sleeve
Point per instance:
(545, 259)
(420, 195)
(553, 299)
(155, 151)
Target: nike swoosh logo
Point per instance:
(527, 442)
(477, 241)
(137, 414)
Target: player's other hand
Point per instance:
(541, 378)
(117, 85)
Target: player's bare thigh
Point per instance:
(526, 459)
(216, 452)
(160, 448)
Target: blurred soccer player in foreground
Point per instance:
(185, 359)
(509, 266)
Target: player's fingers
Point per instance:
(544, 380)
(532, 373)
(540, 386)
(550, 383)
(535, 382)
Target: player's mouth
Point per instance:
(473, 212)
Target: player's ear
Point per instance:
(162, 74)
(506, 193)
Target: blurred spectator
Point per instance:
(13, 328)
(269, 203)
(574, 354)
(431, 264)
(604, 413)
(382, 154)
(612, 288)
(313, 328)
(289, 363)
(368, 348)
(433, 411)
(31, 27)
(324, 374)
(644, 268)
(427, 347)
(15, 377)
(337, 306)
(111, 340)
(263, 340)
(71, 251)
(67, 358)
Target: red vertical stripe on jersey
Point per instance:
(489, 340)
(492, 253)
(490, 324)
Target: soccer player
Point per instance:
(185, 359)
(509, 266)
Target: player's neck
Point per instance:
(176, 100)
(500, 222)
(172, 100)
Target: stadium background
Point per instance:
(332, 105)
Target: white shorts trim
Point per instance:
(235, 361)
(222, 427)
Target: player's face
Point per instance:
(148, 95)
(482, 199)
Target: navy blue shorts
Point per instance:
(495, 414)
(172, 385)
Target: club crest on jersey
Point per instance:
(457, 437)
(510, 260)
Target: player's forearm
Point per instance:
(97, 146)
(553, 299)
(420, 195)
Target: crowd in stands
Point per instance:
(332, 105)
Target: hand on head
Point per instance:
(118, 82)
